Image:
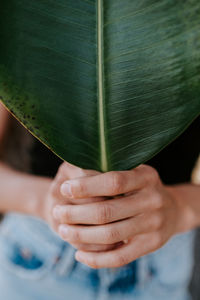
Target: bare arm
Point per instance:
(3, 121)
(188, 198)
(19, 192)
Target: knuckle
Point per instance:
(93, 172)
(62, 169)
(92, 263)
(82, 172)
(116, 183)
(157, 201)
(67, 215)
(79, 189)
(54, 190)
(112, 236)
(157, 221)
(104, 213)
(121, 260)
(156, 241)
(75, 236)
(152, 176)
(142, 169)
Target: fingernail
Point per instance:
(56, 212)
(78, 256)
(65, 189)
(125, 241)
(63, 230)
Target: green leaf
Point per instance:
(105, 84)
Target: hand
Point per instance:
(54, 197)
(142, 217)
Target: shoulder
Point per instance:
(4, 116)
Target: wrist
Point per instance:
(21, 192)
(186, 218)
(35, 195)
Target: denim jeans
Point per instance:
(35, 264)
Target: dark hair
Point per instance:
(16, 146)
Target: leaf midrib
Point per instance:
(101, 89)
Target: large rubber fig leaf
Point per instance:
(105, 84)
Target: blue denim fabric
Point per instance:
(35, 264)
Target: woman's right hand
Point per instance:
(66, 171)
(54, 197)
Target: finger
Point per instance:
(137, 247)
(107, 184)
(96, 247)
(68, 171)
(108, 211)
(110, 233)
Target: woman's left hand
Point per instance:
(141, 214)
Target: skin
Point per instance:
(111, 218)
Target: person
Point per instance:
(83, 234)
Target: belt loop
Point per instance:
(66, 261)
(143, 271)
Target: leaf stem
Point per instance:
(101, 94)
